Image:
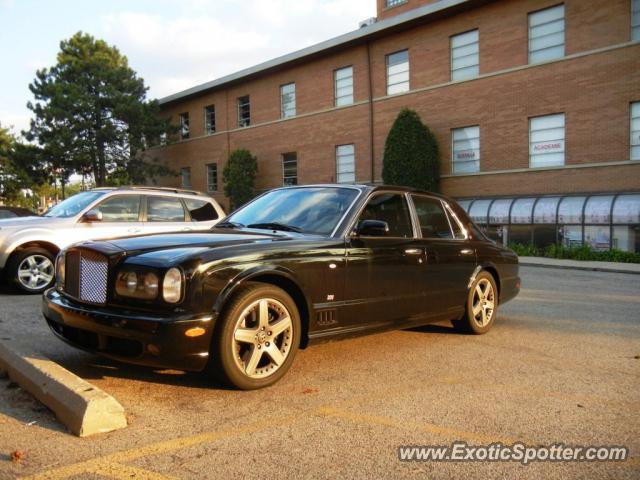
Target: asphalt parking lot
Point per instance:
(560, 365)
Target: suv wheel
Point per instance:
(32, 270)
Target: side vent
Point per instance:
(326, 318)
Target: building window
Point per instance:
(465, 149)
(244, 111)
(289, 169)
(212, 177)
(546, 141)
(635, 20)
(343, 79)
(288, 100)
(346, 163)
(465, 55)
(546, 34)
(635, 131)
(209, 119)
(398, 72)
(393, 3)
(184, 125)
(185, 173)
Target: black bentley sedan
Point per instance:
(295, 266)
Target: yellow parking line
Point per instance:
(155, 449)
(423, 427)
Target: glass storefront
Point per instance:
(600, 221)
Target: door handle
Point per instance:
(187, 229)
(133, 230)
(413, 251)
(466, 251)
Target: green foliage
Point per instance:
(584, 252)
(91, 114)
(239, 176)
(411, 156)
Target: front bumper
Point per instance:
(130, 337)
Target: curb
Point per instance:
(579, 267)
(84, 409)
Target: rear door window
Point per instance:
(200, 210)
(432, 217)
(165, 209)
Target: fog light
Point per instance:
(195, 332)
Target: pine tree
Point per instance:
(91, 113)
(411, 155)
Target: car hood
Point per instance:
(162, 249)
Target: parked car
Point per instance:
(28, 246)
(295, 266)
(14, 212)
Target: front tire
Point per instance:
(257, 337)
(481, 307)
(32, 270)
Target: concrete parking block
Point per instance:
(83, 408)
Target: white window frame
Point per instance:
(341, 154)
(547, 25)
(395, 86)
(286, 161)
(634, 131)
(547, 138)
(457, 147)
(184, 125)
(209, 119)
(209, 170)
(243, 123)
(394, 3)
(343, 86)
(288, 106)
(185, 174)
(465, 49)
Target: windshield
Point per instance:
(316, 210)
(73, 205)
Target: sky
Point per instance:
(172, 44)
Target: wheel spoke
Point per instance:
(484, 317)
(490, 304)
(264, 313)
(24, 274)
(479, 291)
(280, 326)
(275, 354)
(254, 355)
(245, 335)
(31, 261)
(46, 277)
(477, 309)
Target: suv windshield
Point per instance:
(73, 205)
(315, 210)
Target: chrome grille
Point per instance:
(88, 281)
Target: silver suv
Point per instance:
(29, 245)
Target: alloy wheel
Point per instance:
(484, 302)
(35, 272)
(262, 338)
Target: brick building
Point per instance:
(535, 105)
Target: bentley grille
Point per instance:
(86, 276)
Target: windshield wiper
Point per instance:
(228, 224)
(275, 226)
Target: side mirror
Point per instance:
(372, 228)
(92, 216)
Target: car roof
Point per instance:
(371, 187)
(158, 190)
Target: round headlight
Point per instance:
(131, 280)
(151, 284)
(172, 286)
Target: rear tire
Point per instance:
(31, 270)
(256, 338)
(481, 307)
